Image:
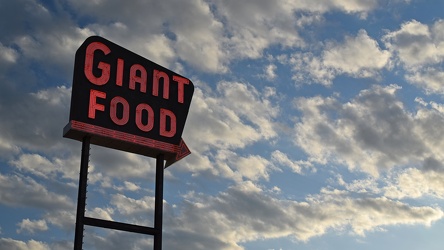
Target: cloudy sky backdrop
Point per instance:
(314, 124)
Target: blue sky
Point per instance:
(313, 125)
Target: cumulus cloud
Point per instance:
(361, 7)
(417, 44)
(373, 132)
(414, 183)
(113, 240)
(218, 31)
(8, 243)
(100, 213)
(63, 219)
(233, 166)
(430, 79)
(309, 68)
(34, 121)
(52, 47)
(119, 165)
(31, 226)
(196, 40)
(232, 117)
(270, 72)
(297, 166)
(260, 215)
(25, 191)
(236, 115)
(136, 211)
(249, 34)
(7, 55)
(359, 57)
(43, 167)
(419, 48)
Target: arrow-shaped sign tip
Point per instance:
(182, 152)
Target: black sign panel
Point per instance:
(123, 95)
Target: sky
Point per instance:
(313, 125)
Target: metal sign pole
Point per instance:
(81, 197)
(81, 220)
(158, 209)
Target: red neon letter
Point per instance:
(180, 89)
(144, 127)
(119, 76)
(89, 58)
(93, 105)
(140, 79)
(113, 111)
(166, 84)
(163, 114)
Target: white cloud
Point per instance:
(261, 216)
(353, 6)
(126, 185)
(270, 72)
(237, 115)
(115, 240)
(217, 31)
(192, 34)
(100, 213)
(416, 44)
(31, 226)
(419, 48)
(36, 164)
(8, 55)
(252, 167)
(54, 47)
(136, 211)
(25, 191)
(297, 166)
(309, 68)
(206, 35)
(373, 132)
(131, 186)
(159, 49)
(249, 34)
(34, 121)
(414, 183)
(51, 168)
(8, 243)
(276, 22)
(359, 57)
(20, 16)
(430, 79)
(361, 186)
(63, 219)
(119, 165)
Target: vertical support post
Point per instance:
(158, 209)
(81, 197)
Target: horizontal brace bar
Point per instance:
(119, 226)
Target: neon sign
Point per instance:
(127, 102)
